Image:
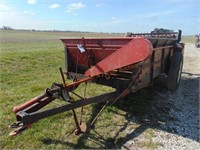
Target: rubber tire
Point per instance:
(175, 69)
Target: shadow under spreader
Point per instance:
(147, 108)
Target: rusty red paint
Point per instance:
(96, 49)
(29, 103)
(138, 49)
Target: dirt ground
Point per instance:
(172, 122)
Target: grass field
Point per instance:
(29, 64)
(188, 39)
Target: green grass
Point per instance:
(188, 39)
(29, 64)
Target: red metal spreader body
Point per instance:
(115, 61)
(104, 55)
(125, 63)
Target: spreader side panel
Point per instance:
(136, 50)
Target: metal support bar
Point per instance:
(74, 113)
(29, 103)
(152, 66)
(35, 116)
(93, 121)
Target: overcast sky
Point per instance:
(102, 15)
